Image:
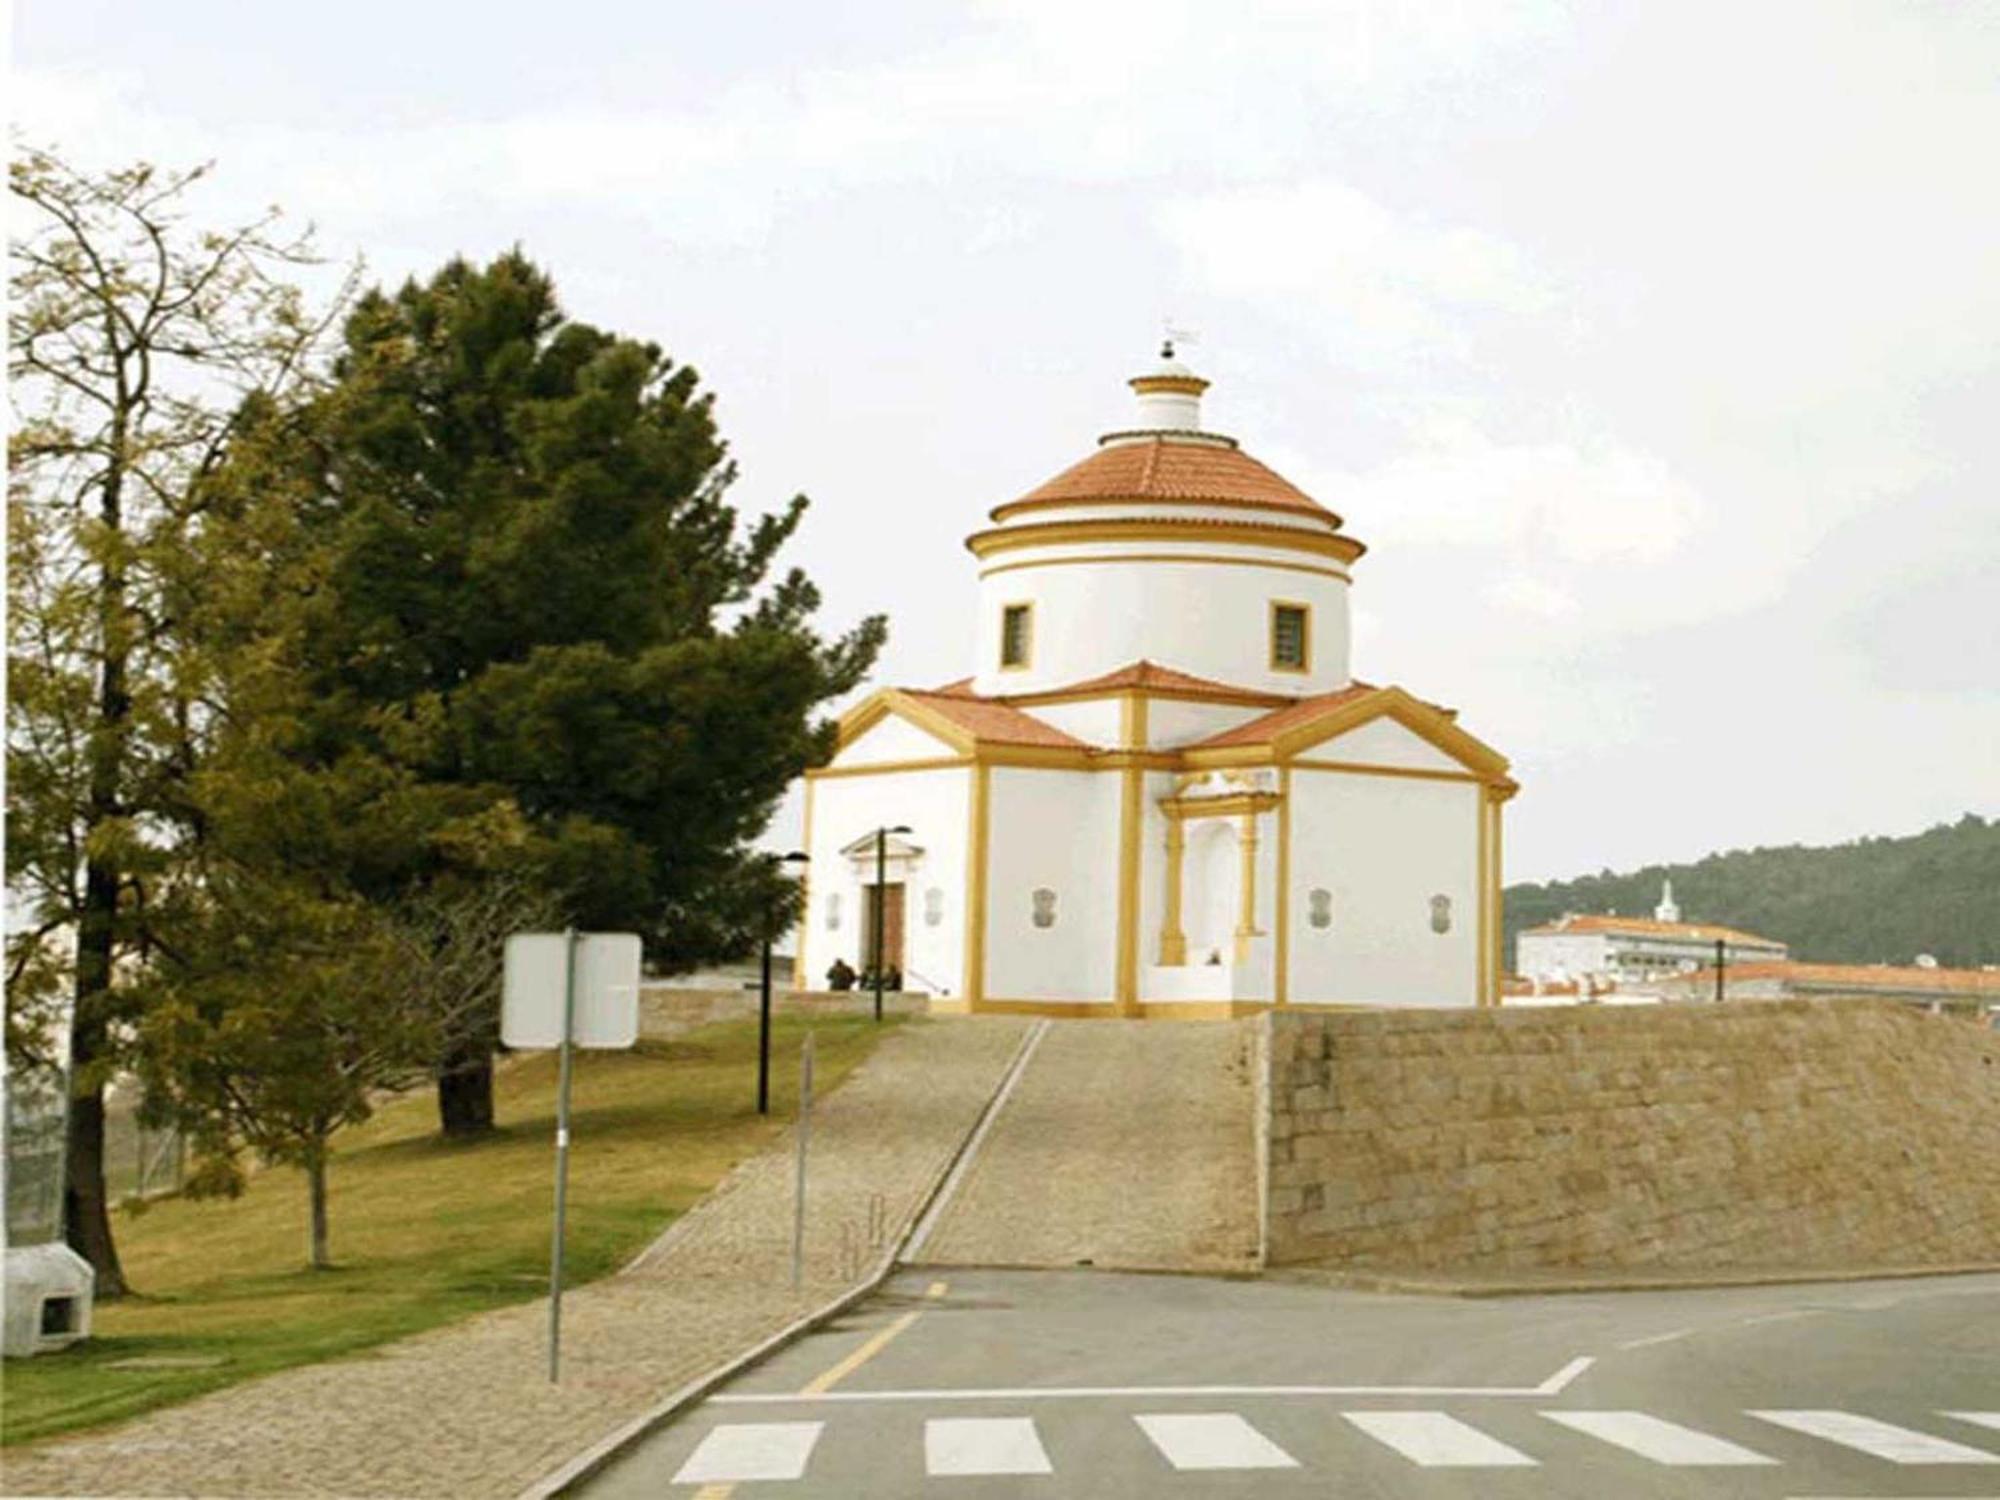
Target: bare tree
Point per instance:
(133, 338)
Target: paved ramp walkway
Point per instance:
(466, 1410)
(1124, 1144)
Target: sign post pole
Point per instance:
(562, 1153)
(799, 1180)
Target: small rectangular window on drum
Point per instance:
(1291, 637)
(1016, 634)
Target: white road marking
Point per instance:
(1553, 1386)
(1658, 1338)
(1212, 1440)
(1662, 1442)
(1899, 1445)
(1437, 1441)
(983, 1445)
(1980, 1418)
(752, 1450)
(948, 1190)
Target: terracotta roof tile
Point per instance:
(1162, 469)
(1146, 674)
(1652, 927)
(1267, 727)
(995, 723)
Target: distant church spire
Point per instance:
(1666, 911)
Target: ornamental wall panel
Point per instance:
(1383, 847)
(1053, 830)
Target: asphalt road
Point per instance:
(992, 1383)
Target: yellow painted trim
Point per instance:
(1304, 668)
(1074, 1009)
(1061, 758)
(1131, 812)
(1027, 660)
(978, 833)
(878, 705)
(1498, 887)
(1183, 385)
(1483, 987)
(1173, 941)
(1164, 529)
(1196, 558)
(935, 1006)
(1281, 981)
(1238, 805)
(1433, 726)
(1236, 697)
(1362, 768)
(885, 767)
(1200, 1010)
(1246, 896)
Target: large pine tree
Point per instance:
(538, 589)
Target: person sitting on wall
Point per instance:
(841, 976)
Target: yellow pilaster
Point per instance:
(1246, 911)
(973, 986)
(1281, 979)
(1495, 877)
(1131, 808)
(1173, 942)
(1483, 956)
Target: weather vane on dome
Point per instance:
(1175, 336)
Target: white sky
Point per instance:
(1649, 346)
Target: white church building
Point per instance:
(1161, 792)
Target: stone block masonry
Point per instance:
(1788, 1135)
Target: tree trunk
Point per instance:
(86, 1204)
(465, 1089)
(86, 1214)
(316, 1190)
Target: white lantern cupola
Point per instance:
(1169, 396)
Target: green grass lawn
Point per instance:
(423, 1232)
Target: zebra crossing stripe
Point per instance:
(1212, 1440)
(983, 1445)
(736, 1452)
(1437, 1441)
(1661, 1441)
(1899, 1445)
(1977, 1418)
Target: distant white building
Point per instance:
(1161, 791)
(1632, 950)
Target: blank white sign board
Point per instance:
(607, 989)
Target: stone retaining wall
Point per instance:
(1796, 1134)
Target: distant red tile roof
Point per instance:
(1870, 976)
(1652, 927)
(995, 723)
(1267, 727)
(1163, 469)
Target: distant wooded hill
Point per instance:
(1878, 900)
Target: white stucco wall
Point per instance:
(934, 804)
(1093, 720)
(1059, 830)
(1383, 742)
(1384, 845)
(893, 738)
(1171, 724)
(1210, 618)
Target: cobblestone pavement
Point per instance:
(1168, 1181)
(467, 1410)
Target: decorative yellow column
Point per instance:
(1246, 912)
(1173, 941)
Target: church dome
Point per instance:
(1168, 544)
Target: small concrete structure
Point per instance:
(49, 1289)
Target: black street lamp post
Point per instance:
(764, 1006)
(881, 903)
